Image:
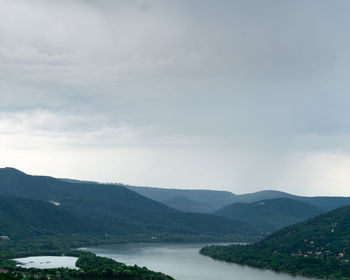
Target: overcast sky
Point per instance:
(233, 95)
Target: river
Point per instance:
(183, 262)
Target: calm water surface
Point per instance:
(183, 262)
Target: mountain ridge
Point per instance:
(208, 201)
(118, 209)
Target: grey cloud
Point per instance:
(238, 82)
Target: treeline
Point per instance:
(319, 247)
(332, 269)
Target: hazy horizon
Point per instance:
(237, 95)
(174, 188)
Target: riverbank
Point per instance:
(280, 263)
(183, 262)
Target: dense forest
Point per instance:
(319, 247)
(102, 211)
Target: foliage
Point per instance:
(319, 247)
(91, 268)
(98, 210)
(270, 214)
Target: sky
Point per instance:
(238, 95)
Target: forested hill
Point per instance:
(21, 218)
(319, 247)
(119, 211)
(270, 214)
(199, 201)
(209, 201)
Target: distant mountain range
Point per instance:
(200, 201)
(209, 201)
(102, 209)
(318, 247)
(270, 214)
(116, 209)
(268, 210)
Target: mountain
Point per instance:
(25, 217)
(263, 195)
(199, 201)
(318, 247)
(325, 203)
(117, 210)
(208, 201)
(270, 214)
(182, 203)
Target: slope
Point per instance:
(28, 218)
(271, 214)
(325, 203)
(118, 210)
(205, 201)
(319, 247)
(185, 204)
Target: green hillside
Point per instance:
(27, 218)
(116, 210)
(319, 247)
(271, 214)
(185, 204)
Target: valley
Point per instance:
(45, 216)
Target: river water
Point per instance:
(183, 262)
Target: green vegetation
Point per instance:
(209, 201)
(319, 247)
(91, 268)
(46, 216)
(102, 211)
(271, 214)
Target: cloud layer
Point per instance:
(237, 95)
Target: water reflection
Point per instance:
(183, 262)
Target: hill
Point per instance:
(185, 204)
(203, 201)
(325, 203)
(209, 201)
(263, 195)
(25, 218)
(270, 214)
(119, 211)
(319, 247)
